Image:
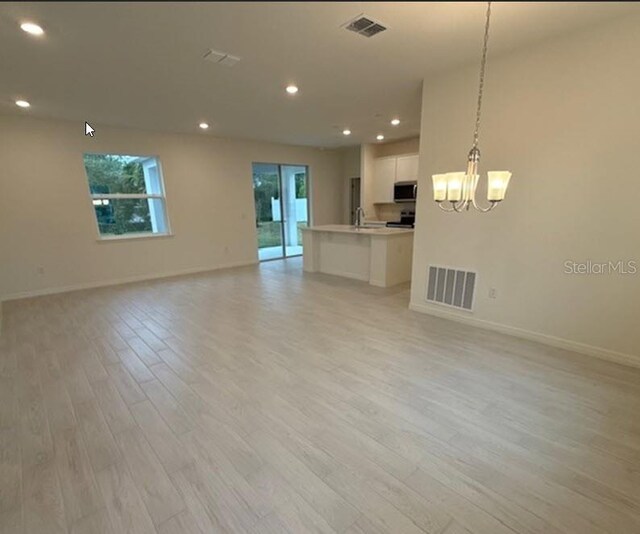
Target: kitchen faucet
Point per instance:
(359, 216)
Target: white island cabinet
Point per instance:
(380, 256)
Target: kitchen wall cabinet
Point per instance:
(407, 168)
(389, 170)
(384, 176)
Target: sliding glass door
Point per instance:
(266, 193)
(296, 206)
(282, 208)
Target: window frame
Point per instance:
(162, 196)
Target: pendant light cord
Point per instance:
(481, 84)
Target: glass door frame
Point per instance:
(281, 202)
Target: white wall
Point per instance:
(564, 117)
(367, 155)
(351, 161)
(410, 145)
(350, 169)
(47, 221)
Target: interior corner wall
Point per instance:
(563, 116)
(367, 156)
(48, 233)
(350, 169)
(398, 148)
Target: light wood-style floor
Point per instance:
(263, 400)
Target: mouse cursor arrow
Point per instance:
(88, 130)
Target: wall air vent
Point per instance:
(451, 287)
(221, 58)
(364, 25)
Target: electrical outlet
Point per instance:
(493, 294)
(40, 270)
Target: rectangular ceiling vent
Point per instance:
(451, 287)
(221, 58)
(363, 25)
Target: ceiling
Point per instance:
(140, 65)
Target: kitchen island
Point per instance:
(381, 256)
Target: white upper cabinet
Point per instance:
(384, 176)
(388, 171)
(407, 168)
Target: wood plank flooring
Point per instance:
(265, 400)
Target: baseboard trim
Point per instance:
(557, 342)
(343, 274)
(120, 281)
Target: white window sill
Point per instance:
(127, 237)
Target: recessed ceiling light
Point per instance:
(203, 125)
(346, 132)
(380, 137)
(292, 89)
(31, 28)
(395, 122)
(22, 103)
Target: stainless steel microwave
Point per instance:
(405, 191)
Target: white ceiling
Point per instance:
(140, 64)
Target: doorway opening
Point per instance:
(354, 198)
(281, 195)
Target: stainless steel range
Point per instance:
(407, 220)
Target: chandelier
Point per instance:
(459, 188)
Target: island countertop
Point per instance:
(348, 229)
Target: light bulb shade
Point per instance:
(455, 184)
(439, 187)
(497, 186)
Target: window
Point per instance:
(127, 195)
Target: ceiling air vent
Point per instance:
(221, 58)
(363, 25)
